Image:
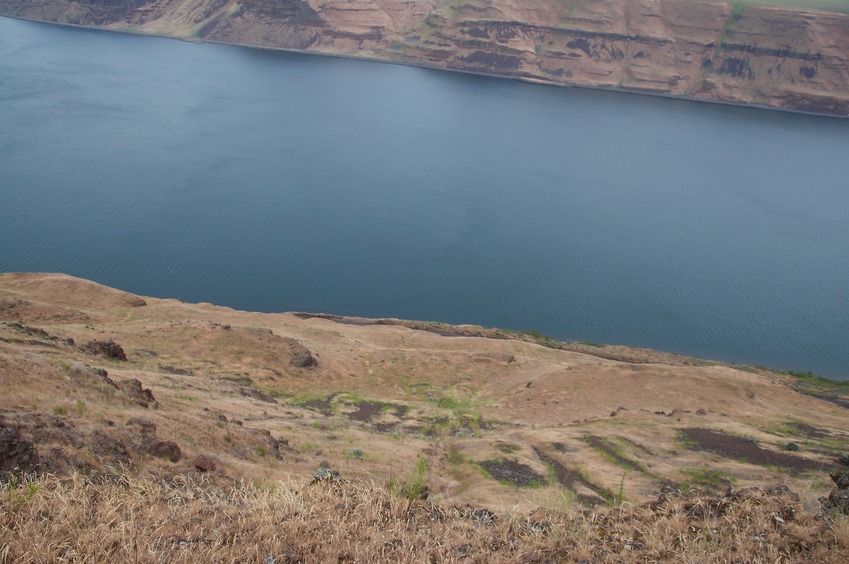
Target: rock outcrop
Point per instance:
(17, 454)
(109, 349)
(715, 50)
(838, 499)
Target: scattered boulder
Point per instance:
(276, 447)
(17, 455)
(109, 449)
(53, 444)
(27, 330)
(204, 463)
(109, 349)
(143, 433)
(301, 357)
(325, 474)
(136, 394)
(165, 449)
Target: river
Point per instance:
(277, 181)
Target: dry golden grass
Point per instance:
(129, 518)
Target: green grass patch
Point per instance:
(706, 478)
(540, 339)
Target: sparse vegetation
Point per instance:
(396, 395)
(706, 478)
(540, 339)
(190, 519)
(415, 487)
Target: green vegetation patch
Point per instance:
(613, 453)
(540, 339)
(706, 479)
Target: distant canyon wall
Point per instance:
(711, 50)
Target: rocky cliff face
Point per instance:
(790, 58)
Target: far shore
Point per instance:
(418, 64)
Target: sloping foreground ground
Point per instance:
(791, 54)
(195, 520)
(200, 428)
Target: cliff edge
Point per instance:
(793, 56)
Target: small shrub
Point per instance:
(416, 486)
(791, 446)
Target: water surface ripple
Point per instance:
(273, 181)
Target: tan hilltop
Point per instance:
(95, 381)
(790, 54)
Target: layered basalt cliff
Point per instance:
(741, 52)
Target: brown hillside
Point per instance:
(503, 424)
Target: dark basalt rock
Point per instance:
(204, 463)
(135, 393)
(301, 357)
(17, 455)
(109, 349)
(166, 449)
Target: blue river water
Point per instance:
(276, 181)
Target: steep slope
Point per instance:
(92, 378)
(785, 56)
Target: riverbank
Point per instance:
(781, 57)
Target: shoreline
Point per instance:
(628, 354)
(421, 65)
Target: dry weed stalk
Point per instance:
(125, 518)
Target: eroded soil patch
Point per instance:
(810, 431)
(512, 472)
(740, 448)
(571, 479)
(368, 410)
(323, 406)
